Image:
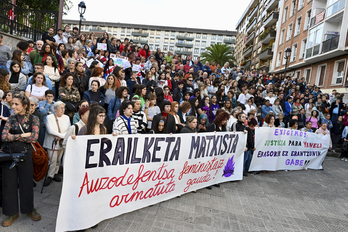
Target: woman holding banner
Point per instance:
(191, 124)
(125, 124)
(95, 122)
(324, 131)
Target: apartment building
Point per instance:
(181, 41)
(316, 32)
(256, 33)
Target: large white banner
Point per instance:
(285, 149)
(105, 176)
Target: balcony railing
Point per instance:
(248, 51)
(28, 23)
(337, 6)
(271, 19)
(137, 41)
(267, 37)
(330, 44)
(271, 5)
(185, 37)
(266, 54)
(251, 25)
(183, 52)
(253, 11)
(140, 33)
(187, 45)
(250, 38)
(318, 18)
(229, 41)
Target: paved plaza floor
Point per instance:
(307, 200)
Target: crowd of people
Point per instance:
(63, 86)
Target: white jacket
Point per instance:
(52, 130)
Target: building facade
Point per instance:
(181, 41)
(256, 33)
(316, 32)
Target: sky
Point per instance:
(204, 14)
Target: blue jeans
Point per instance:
(334, 117)
(247, 160)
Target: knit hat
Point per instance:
(180, 83)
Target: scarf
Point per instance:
(324, 132)
(164, 114)
(128, 123)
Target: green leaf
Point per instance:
(220, 53)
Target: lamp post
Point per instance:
(287, 54)
(82, 10)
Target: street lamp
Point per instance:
(287, 54)
(82, 10)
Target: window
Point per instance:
(285, 15)
(314, 41)
(293, 52)
(165, 48)
(123, 30)
(204, 36)
(282, 34)
(196, 51)
(212, 43)
(198, 36)
(321, 75)
(303, 48)
(152, 39)
(202, 50)
(198, 43)
(204, 43)
(289, 34)
(166, 33)
(298, 74)
(180, 41)
(151, 46)
(308, 72)
(152, 33)
(158, 32)
(219, 37)
(292, 9)
(279, 59)
(171, 48)
(166, 40)
(300, 4)
(337, 77)
(172, 41)
(298, 26)
(158, 40)
(213, 37)
(308, 20)
(173, 33)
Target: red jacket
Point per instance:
(187, 68)
(168, 98)
(143, 53)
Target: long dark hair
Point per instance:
(54, 64)
(116, 71)
(43, 51)
(92, 120)
(194, 111)
(155, 126)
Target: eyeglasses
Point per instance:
(32, 104)
(189, 80)
(49, 96)
(61, 108)
(101, 115)
(84, 105)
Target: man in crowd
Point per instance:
(36, 51)
(47, 37)
(5, 53)
(59, 38)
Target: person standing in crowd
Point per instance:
(95, 122)
(288, 108)
(308, 127)
(25, 67)
(336, 132)
(94, 95)
(125, 124)
(83, 103)
(69, 94)
(269, 120)
(140, 93)
(57, 125)
(139, 116)
(109, 90)
(170, 120)
(34, 102)
(21, 130)
(324, 131)
(5, 53)
(38, 87)
(46, 108)
(47, 37)
(191, 126)
(76, 127)
(51, 70)
(17, 79)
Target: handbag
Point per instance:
(40, 162)
(72, 107)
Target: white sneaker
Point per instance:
(346, 159)
(343, 159)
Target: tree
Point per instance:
(50, 5)
(220, 53)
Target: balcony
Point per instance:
(183, 52)
(138, 41)
(229, 41)
(184, 37)
(186, 45)
(334, 8)
(266, 54)
(271, 19)
(273, 4)
(140, 33)
(318, 18)
(250, 38)
(247, 51)
(251, 25)
(246, 64)
(330, 44)
(267, 37)
(253, 11)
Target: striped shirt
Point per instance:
(140, 120)
(120, 126)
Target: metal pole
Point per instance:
(80, 23)
(286, 64)
(60, 14)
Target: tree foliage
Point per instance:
(50, 5)
(220, 53)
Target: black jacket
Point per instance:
(212, 127)
(187, 129)
(250, 137)
(177, 95)
(340, 107)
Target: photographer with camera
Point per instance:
(20, 130)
